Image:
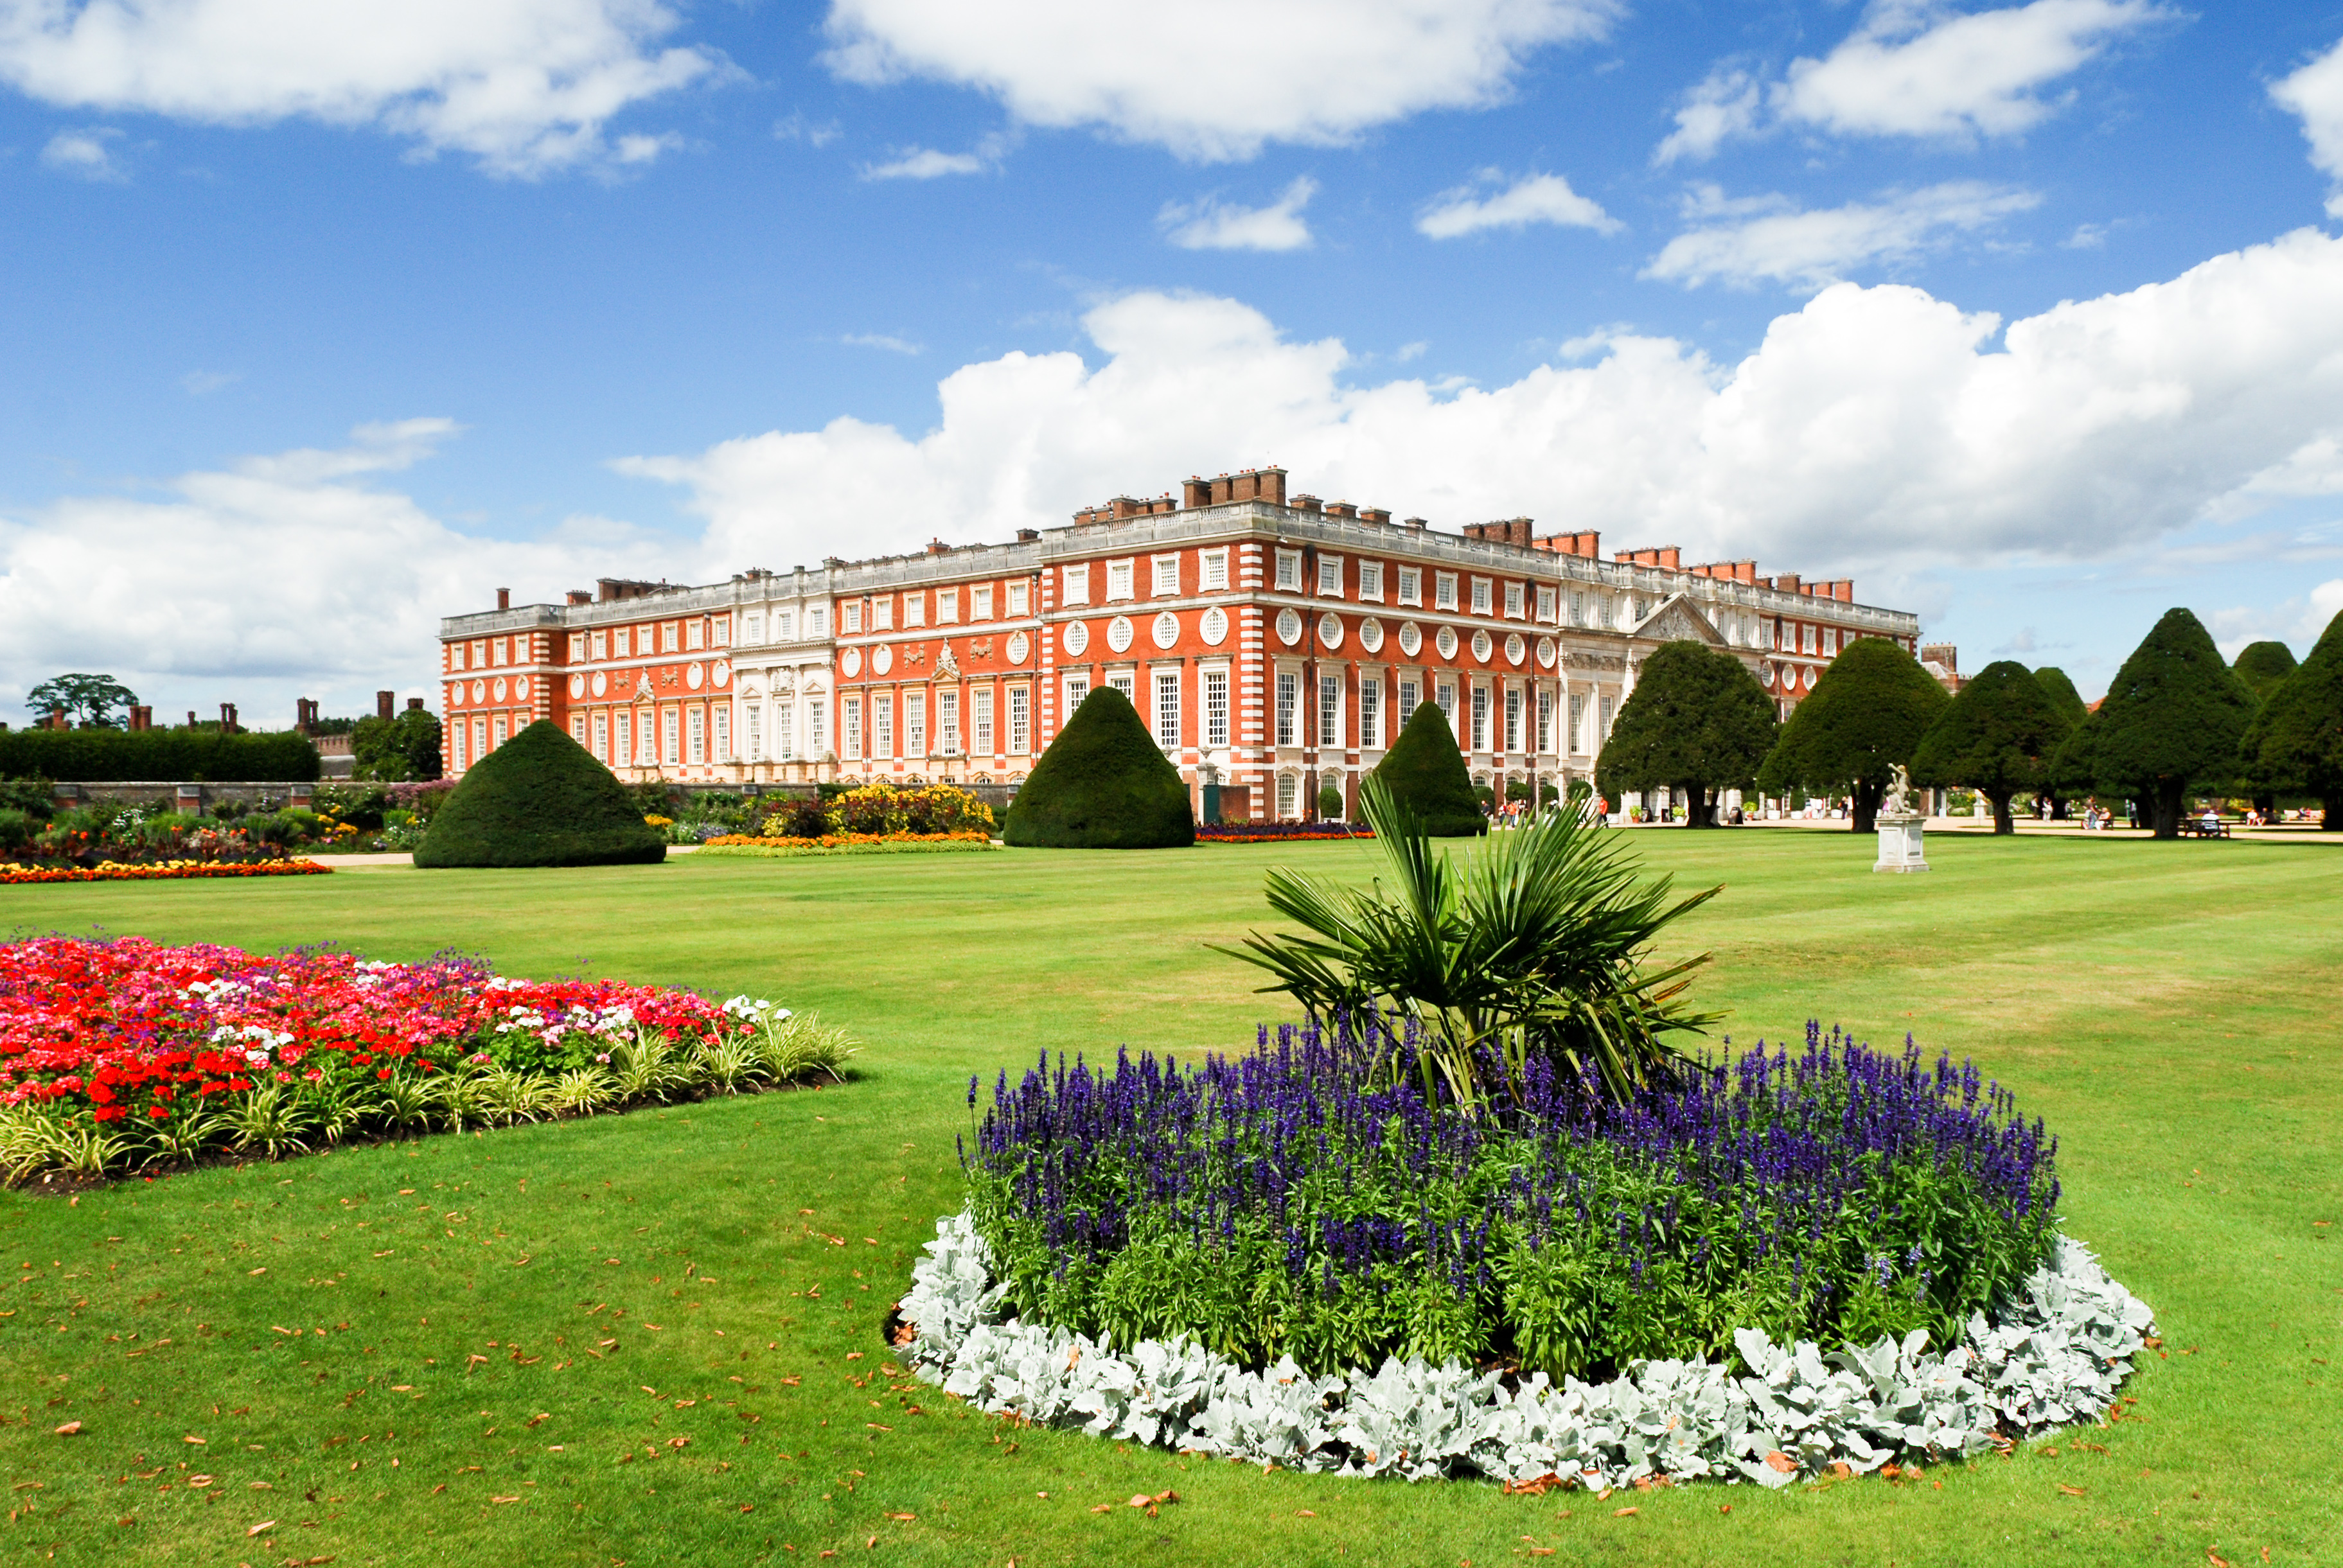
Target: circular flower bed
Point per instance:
(1312, 1210)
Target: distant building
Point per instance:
(1273, 645)
(1943, 661)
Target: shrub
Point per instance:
(1103, 784)
(1861, 721)
(106, 756)
(1533, 952)
(35, 797)
(1696, 721)
(1997, 736)
(540, 799)
(1287, 1203)
(1425, 772)
(1330, 804)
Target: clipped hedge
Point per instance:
(179, 756)
(540, 799)
(1426, 773)
(1103, 784)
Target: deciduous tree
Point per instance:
(95, 700)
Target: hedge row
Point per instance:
(184, 756)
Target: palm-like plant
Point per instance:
(1534, 947)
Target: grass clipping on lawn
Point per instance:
(1103, 784)
(540, 799)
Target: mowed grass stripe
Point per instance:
(2167, 1008)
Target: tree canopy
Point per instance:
(398, 750)
(1863, 719)
(1426, 773)
(1697, 721)
(2262, 665)
(2298, 735)
(2172, 718)
(540, 799)
(1103, 784)
(2062, 694)
(96, 699)
(1995, 736)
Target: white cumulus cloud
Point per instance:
(1212, 224)
(1532, 198)
(296, 574)
(929, 164)
(1211, 79)
(1918, 68)
(1768, 240)
(87, 155)
(524, 86)
(1872, 426)
(2315, 95)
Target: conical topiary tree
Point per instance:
(1103, 784)
(1696, 721)
(1863, 719)
(2062, 694)
(1426, 773)
(2173, 718)
(2298, 735)
(2262, 665)
(1995, 736)
(540, 799)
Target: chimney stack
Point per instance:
(386, 705)
(227, 718)
(415, 705)
(504, 599)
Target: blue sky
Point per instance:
(2028, 317)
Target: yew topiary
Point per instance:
(1696, 721)
(1103, 784)
(2172, 721)
(1426, 773)
(540, 799)
(2298, 735)
(1863, 719)
(1995, 736)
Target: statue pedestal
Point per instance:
(1899, 843)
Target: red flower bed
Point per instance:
(163, 871)
(131, 1029)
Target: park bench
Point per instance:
(2196, 827)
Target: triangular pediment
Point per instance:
(1678, 619)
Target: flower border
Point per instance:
(160, 870)
(2059, 1353)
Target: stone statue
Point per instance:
(1898, 801)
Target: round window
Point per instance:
(882, 659)
(1445, 641)
(1515, 649)
(480, 691)
(601, 683)
(721, 674)
(1545, 651)
(1289, 627)
(692, 676)
(850, 662)
(1077, 637)
(1411, 640)
(1482, 645)
(520, 687)
(1371, 634)
(1167, 629)
(1118, 633)
(1216, 625)
(1330, 631)
(576, 686)
(498, 691)
(1018, 648)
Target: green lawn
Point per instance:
(444, 1351)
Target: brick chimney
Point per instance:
(580, 596)
(1026, 536)
(386, 704)
(504, 599)
(227, 718)
(415, 705)
(142, 718)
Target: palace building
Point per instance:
(1274, 645)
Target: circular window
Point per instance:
(1515, 649)
(1445, 641)
(1545, 651)
(1216, 625)
(1371, 634)
(1167, 629)
(480, 691)
(499, 689)
(1018, 648)
(882, 659)
(1410, 639)
(721, 674)
(601, 683)
(1118, 633)
(1289, 627)
(1330, 631)
(1482, 645)
(850, 662)
(578, 685)
(692, 676)
(1077, 637)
